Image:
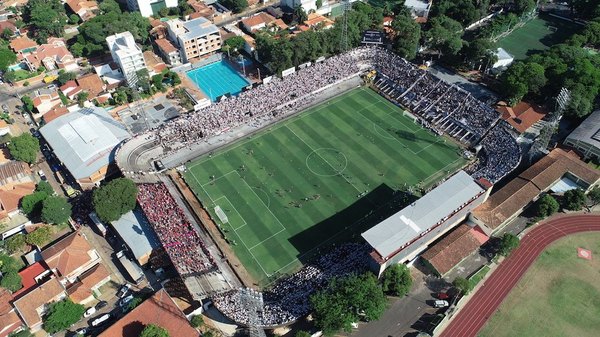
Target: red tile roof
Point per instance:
(166, 46)
(28, 276)
(521, 116)
(161, 310)
(90, 279)
(22, 43)
(28, 304)
(455, 247)
(68, 254)
(92, 84)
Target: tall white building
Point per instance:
(127, 54)
(195, 38)
(150, 7)
(307, 5)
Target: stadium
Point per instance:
(293, 171)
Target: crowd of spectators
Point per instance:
(499, 154)
(178, 237)
(289, 298)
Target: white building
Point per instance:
(127, 55)
(150, 7)
(195, 38)
(307, 5)
(504, 59)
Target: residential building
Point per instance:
(307, 5)
(92, 84)
(317, 21)
(111, 75)
(10, 25)
(168, 52)
(586, 138)
(154, 63)
(150, 7)
(195, 38)
(557, 172)
(201, 9)
(14, 172)
(32, 276)
(161, 310)
(406, 234)
(258, 21)
(522, 116)
(23, 45)
(9, 320)
(85, 141)
(127, 54)
(4, 128)
(83, 289)
(33, 305)
(44, 100)
(52, 55)
(70, 257)
(10, 197)
(83, 8)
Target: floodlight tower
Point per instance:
(562, 100)
(252, 301)
(344, 38)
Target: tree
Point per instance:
(479, 51)
(302, 333)
(163, 12)
(47, 17)
(522, 78)
(407, 33)
(65, 76)
(62, 315)
(11, 281)
(594, 196)
(44, 186)
(82, 97)
(115, 199)
(319, 3)
(108, 6)
(74, 19)
(508, 243)
(22, 333)
(396, 280)
(40, 236)
(197, 321)
(24, 148)
(134, 302)
(235, 43)
(462, 285)
(143, 80)
(27, 103)
(300, 14)
(55, 210)
(236, 6)
(7, 58)
(32, 204)
(10, 76)
(346, 300)
(444, 35)
(546, 206)
(7, 34)
(15, 243)
(152, 330)
(574, 199)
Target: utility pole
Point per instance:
(252, 301)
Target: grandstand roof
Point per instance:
(453, 248)
(402, 228)
(521, 116)
(510, 199)
(588, 131)
(84, 140)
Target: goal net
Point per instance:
(221, 215)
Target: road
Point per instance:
(473, 316)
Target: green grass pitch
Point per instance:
(537, 35)
(306, 181)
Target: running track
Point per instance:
(484, 303)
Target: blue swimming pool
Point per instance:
(218, 79)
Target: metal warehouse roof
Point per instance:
(588, 131)
(134, 229)
(401, 228)
(84, 140)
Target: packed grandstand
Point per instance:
(441, 107)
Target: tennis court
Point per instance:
(307, 182)
(537, 35)
(218, 79)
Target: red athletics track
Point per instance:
(489, 297)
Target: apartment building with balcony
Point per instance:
(194, 38)
(127, 54)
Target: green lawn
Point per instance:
(558, 296)
(537, 35)
(306, 182)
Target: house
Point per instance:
(257, 21)
(201, 10)
(92, 84)
(70, 257)
(82, 291)
(161, 310)
(23, 45)
(31, 277)
(150, 7)
(55, 113)
(307, 5)
(318, 21)
(44, 100)
(154, 63)
(10, 25)
(70, 89)
(33, 305)
(522, 116)
(84, 9)
(9, 320)
(111, 74)
(11, 197)
(14, 172)
(168, 52)
(52, 55)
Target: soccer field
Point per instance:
(305, 182)
(558, 296)
(537, 35)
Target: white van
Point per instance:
(100, 320)
(440, 304)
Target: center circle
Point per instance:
(326, 162)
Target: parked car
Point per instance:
(101, 319)
(125, 300)
(42, 175)
(89, 312)
(442, 296)
(123, 290)
(81, 331)
(440, 304)
(101, 305)
(4, 107)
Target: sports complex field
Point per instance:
(306, 182)
(558, 296)
(537, 35)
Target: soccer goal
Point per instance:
(414, 118)
(222, 216)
